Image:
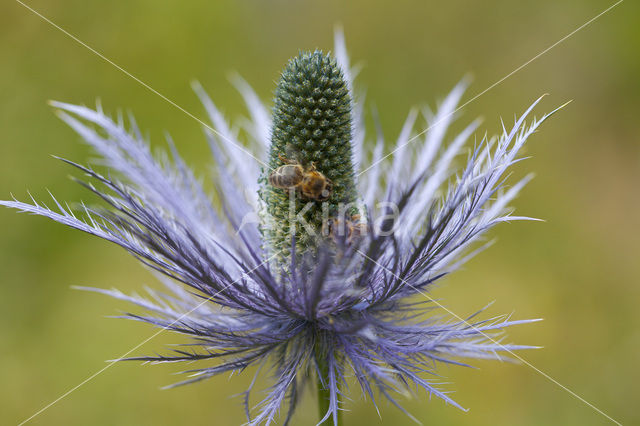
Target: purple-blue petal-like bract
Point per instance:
(367, 306)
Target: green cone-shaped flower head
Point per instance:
(311, 128)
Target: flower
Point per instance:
(312, 126)
(251, 288)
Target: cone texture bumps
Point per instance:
(311, 124)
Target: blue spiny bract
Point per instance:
(364, 313)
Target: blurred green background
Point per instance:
(579, 270)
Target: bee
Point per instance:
(356, 228)
(348, 231)
(308, 181)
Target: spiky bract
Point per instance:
(367, 310)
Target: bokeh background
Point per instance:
(579, 270)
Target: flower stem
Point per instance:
(324, 393)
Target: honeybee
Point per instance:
(309, 182)
(348, 231)
(356, 228)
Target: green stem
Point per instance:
(323, 392)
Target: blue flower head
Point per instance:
(305, 281)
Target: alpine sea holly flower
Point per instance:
(249, 284)
(312, 126)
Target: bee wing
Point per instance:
(292, 154)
